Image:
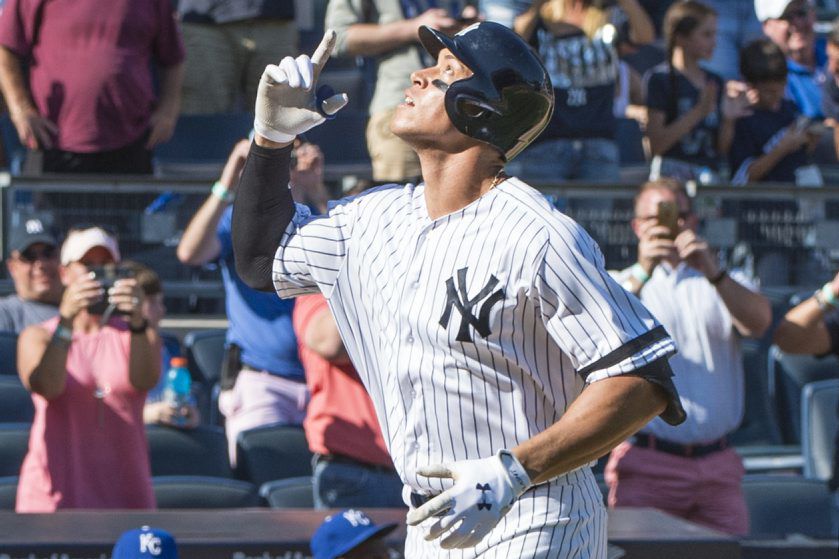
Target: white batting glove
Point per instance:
(483, 492)
(286, 104)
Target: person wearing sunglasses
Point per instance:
(33, 267)
(790, 25)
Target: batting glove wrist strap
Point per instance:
(519, 479)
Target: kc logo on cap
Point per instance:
(145, 543)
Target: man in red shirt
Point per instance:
(352, 467)
(88, 100)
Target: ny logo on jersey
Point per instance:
(483, 489)
(457, 297)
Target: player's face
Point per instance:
(421, 119)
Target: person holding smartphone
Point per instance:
(689, 470)
(88, 372)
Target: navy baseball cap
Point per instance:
(145, 543)
(344, 531)
(29, 232)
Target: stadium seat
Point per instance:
(199, 492)
(819, 423)
(291, 493)
(344, 143)
(760, 423)
(788, 374)
(201, 143)
(188, 452)
(780, 505)
(630, 142)
(205, 353)
(8, 492)
(14, 443)
(12, 148)
(8, 354)
(272, 452)
(15, 401)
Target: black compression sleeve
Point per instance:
(261, 214)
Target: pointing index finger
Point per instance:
(323, 52)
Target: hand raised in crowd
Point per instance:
(80, 294)
(654, 246)
(127, 296)
(308, 173)
(162, 126)
(794, 138)
(35, 131)
(694, 250)
(735, 102)
(235, 164)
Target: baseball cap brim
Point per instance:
(30, 240)
(79, 243)
(380, 530)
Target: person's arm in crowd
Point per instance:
(33, 129)
(363, 38)
(199, 242)
(526, 22)
(165, 115)
(42, 357)
(803, 329)
(733, 105)
(187, 417)
(641, 29)
(145, 345)
(664, 136)
(322, 337)
(793, 140)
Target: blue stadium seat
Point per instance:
(197, 492)
(15, 401)
(630, 142)
(788, 374)
(14, 443)
(291, 493)
(205, 350)
(272, 452)
(343, 142)
(819, 423)
(8, 353)
(780, 505)
(192, 452)
(8, 492)
(201, 141)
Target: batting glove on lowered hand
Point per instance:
(483, 492)
(286, 104)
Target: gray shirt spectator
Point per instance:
(17, 313)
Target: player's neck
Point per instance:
(453, 181)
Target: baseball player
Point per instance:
(500, 356)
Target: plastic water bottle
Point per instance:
(177, 392)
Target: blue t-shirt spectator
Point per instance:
(260, 322)
(804, 87)
(674, 95)
(756, 135)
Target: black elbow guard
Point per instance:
(659, 373)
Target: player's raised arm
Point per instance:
(288, 103)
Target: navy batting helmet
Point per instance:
(509, 99)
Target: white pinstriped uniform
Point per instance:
(469, 332)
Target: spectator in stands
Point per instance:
(736, 26)
(812, 327)
(772, 143)
(89, 101)
(790, 25)
(830, 89)
(269, 384)
(502, 11)
(577, 44)
(350, 534)
(387, 31)
(145, 543)
(689, 470)
(33, 266)
(89, 375)
(691, 115)
(228, 44)
(352, 467)
(156, 409)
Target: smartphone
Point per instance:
(107, 275)
(668, 216)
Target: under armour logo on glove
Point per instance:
(457, 297)
(483, 504)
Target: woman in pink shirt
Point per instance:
(89, 375)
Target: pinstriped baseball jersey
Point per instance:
(474, 331)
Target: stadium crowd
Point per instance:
(722, 92)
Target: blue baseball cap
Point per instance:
(145, 543)
(344, 531)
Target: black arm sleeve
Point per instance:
(659, 373)
(261, 214)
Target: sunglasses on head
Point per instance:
(31, 254)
